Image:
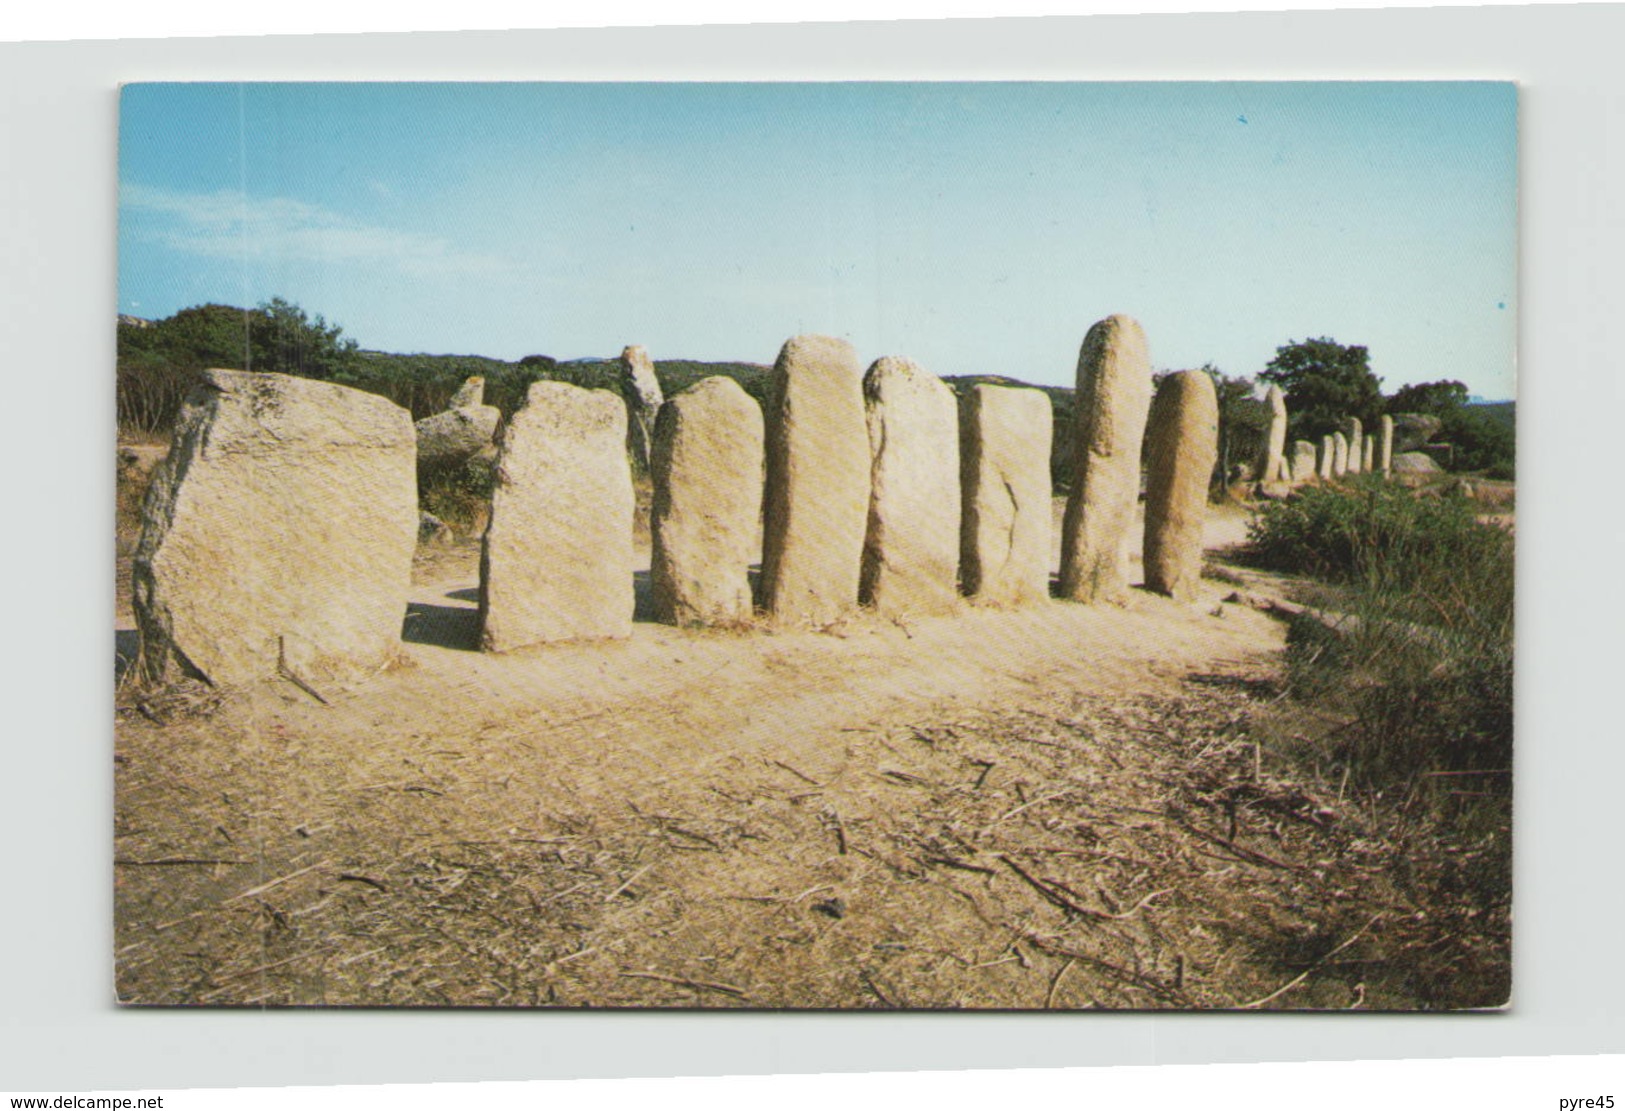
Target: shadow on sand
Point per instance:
(126, 643)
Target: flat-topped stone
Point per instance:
(816, 510)
(556, 563)
(911, 549)
(1005, 528)
(277, 536)
(706, 465)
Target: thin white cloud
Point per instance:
(231, 224)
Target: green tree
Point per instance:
(158, 362)
(284, 340)
(1435, 398)
(1324, 382)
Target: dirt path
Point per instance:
(993, 810)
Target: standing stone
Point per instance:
(1182, 445)
(1303, 462)
(1413, 430)
(1340, 455)
(1328, 458)
(641, 389)
(911, 551)
(1356, 439)
(557, 559)
(1004, 458)
(278, 534)
(1385, 444)
(1368, 456)
(1110, 405)
(470, 394)
(1272, 459)
(706, 464)
(457, 435)
(817, 499)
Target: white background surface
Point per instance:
(59, 1029)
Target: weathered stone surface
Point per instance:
(1182, 443)
(1368, 456)
(1340, 455)
(911, 549)
(432, 530)
(457, 435)
(817, 497)
(1355, 435)
(641, 389)
(1110, 408)
(137, 462)
(1415, 462)
(1385, 445)
(1272, 460)
(556, 563)
(706, 464)
(1303, 462)
(469, 395)
(1328, 458)
(1004, 451)
(1412, 430)
(279, 532)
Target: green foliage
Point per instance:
(283, 340)
(1324, 383)
(1484, 440)
(158, 363)
(1243, 421)
(1434, 398)
(459, 495)
(1422, 661)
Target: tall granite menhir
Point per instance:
(557, 559)
(1385, 445)
(707, 470)
(1182, 445)
(911, 550)
(278, 534)
(1340, 455)
(1303, 462)
(817, 498)
(641, 391)
(1355, 435)
(1004, 453)
(1111, 404)
(1272, 459)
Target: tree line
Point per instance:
(1324, 381)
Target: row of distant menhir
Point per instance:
(279, 533)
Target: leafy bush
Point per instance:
(1483, 439)
(1421, 660)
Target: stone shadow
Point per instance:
(126, 643)
(454, 627)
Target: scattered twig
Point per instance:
(1034, 802)
(1306, 973)
(702, 985)
(278, 882)
(128, 863)
(630, 880)
(356, 877)
(1250, 855)
(288, 673)
(1055, 982)
(803, 776)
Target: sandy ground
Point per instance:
(1025, 809)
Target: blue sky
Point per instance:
(973, 227)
